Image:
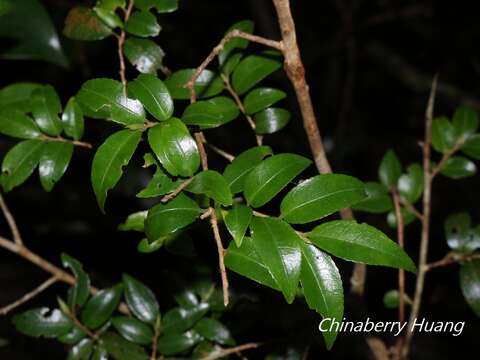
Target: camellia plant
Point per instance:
(166, 117)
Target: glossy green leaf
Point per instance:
(107, 95)
(17, 96)
(171, 344)
(245, 261)
(390, 169)
(211, 113)
(45, 108)
(20, 162)
(360, 243)
(214, 330)
(81, 351)
(16, 124)
(33, 33)
(143, 23)
(99, 353)
(181, 319)
(83, 24)
(162, 6)
(212, 184)
(235, 43)
(472, 146)
(230, 65)
(460, 234)
(269, 177)
(109, 17)
(109, 160)
(271, 120)
(140, 300)
(54, 161)
(42, 322)
(378, 199)
(261, 98)
(144, 54)
(321, 196)
(135, 222)
(322, 286)
(174, 147)
(443, 134)
(100, 307)
(147, 247)
(208, 84)
(410, 185)
(120, 349)
(160, 184)
(470, 284)
(465, 123)
(133, 330)
(111, 5)
(458, 167)
(81, 290)
(236, 172)
(73, 336)
(164, 219)
(153, 94)
(252, 70)
(237, 221)
(72, 119)
(278, 246)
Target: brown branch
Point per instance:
(451, 259)
(411, 208)
(221, 256)
(177, 191)
(10, 221)
(221, 152)
(436, 170)
(401, 243)
(427, 194)
(234, 350)
(62, 139)
(121, 43)
(156, 335)
(28, 296)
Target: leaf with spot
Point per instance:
(410, 185)
(82, 23)
(161, 6)
(460, 235)
(144, 54)
(458, 167)
(42, 322)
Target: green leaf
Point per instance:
(17, 96)
(109, 160)
(378, 199)
(180, 319)
(321, 196)
(140, 300)
(269, 177)
(16, 124)
(144, 54)
(470, 283)
(171, 344)
(360, 243)
(472, 146)
(208, 84)
(153, 94)
(147, 247)
(135, 222)
(465, 123)
(174, 147)
(143, 24)
(212, 184)
(83, 24)
(54, 161)
(237, 221)
(81, 351)
(214, 330)
(322, 286)
(236, 172)
(73, 336)
(458, 167)
(107, 95)
(99, 353)
(443, 134)
(391, 299)
(42, 322)
(278, 246)
(45, 108)
(261, 98)
(160, 184)
(81, 290)
(235, 43)
(230, 65)
(408, 218)
(111, 5)
(20, 162)
(100, 307)
(252, 70)
(72, 119)
(410, 185)
(390, 169)
(211, 113)
(162, 6)
(460, 235)
(33, 33)
(120, 349)
(109, 17)
(271, 120)
(164, 219)
(133, 330)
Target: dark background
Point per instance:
(369, 65)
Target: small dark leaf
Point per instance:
(214, 330)
(458, 167)
(81, 351)
(81, 289)
(143, 23)
(133, 330)
(470, 284)
(465, 123)
(460, 235)
(43, 322)
(180, 319)
(120, 349)
(390, 169)
(410, 185)
(443, 134)
(141, 300)
(171, 344)
(100, 307)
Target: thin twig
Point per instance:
(427, 194)
(11, 221)
(177, 191)
(156, 335)
(451, 259)
(411, 208)
(28, 296)
(401, 243)
(62, 139)
(121, 43)
(221, 152)
(221, 256)
(225, 352)
(439, 167)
